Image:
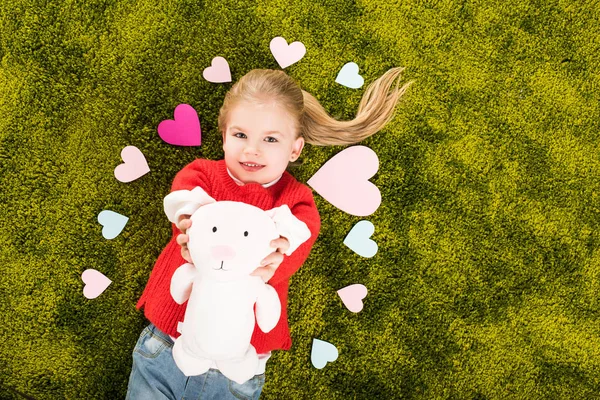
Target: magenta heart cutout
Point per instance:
(184, 129)
(344, 181)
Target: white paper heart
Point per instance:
(349, 76)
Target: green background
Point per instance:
(485, 285)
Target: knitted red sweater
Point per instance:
(212, 176)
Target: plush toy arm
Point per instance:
(268, 309)
(185, 202)
(181, 283)
(290, 227)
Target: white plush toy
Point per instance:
(227, 241)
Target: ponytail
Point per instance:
(375, 110)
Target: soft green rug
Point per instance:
(486, 281)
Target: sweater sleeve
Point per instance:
(306, 211)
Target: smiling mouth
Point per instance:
(251, 166)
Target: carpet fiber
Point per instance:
(486, 282)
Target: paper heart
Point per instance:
(134, 165)
(218, 72)
(343, 181)
(112, 222)
(285, 54)
(352, 296)
(95, 283)
(184, 129)
(358, 239)
(349, 76)
(322, 353)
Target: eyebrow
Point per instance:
(266, 133)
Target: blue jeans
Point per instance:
(155, 375)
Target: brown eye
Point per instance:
(214, 228)
(246, 233)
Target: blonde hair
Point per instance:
(314, 124)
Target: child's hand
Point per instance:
(184, 224)
(273, 260)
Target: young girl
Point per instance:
(265, 120)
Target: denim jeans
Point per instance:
(155, 375)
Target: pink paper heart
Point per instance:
(134, 165)
(184, 129)
(343, 181)
(218, 72)
(352, 296)
(285, 54)
(95, 283)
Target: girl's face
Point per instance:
(259, 142)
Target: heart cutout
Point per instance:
(343, 181)
(112, 222)
(349, 76)
(134, 165)
(95, 283)
(352, 296)
(322, 353)
(184, 129)
(358, 239)
(218, 72)
(285, 54)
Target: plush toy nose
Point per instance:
(224, 253)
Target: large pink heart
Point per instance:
(344, 181)
(184, 129)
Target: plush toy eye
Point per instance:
(246, 233)
(214, 228)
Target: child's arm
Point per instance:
(306, 211)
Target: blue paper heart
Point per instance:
(349, 76)
(358, 239)
(112, 222)
(322, 353)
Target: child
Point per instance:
(265, 120)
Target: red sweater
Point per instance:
(212, 176)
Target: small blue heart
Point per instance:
(112, 222)
(349, 76)
(358, 239)
(322, 353)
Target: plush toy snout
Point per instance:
(225, 253)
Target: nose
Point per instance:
(224, 253)
(251, 148)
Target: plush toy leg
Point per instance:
(188, 364)
(240, 369)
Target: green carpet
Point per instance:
(486, 282)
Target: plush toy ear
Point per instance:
(290, 227)
(185, 202)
